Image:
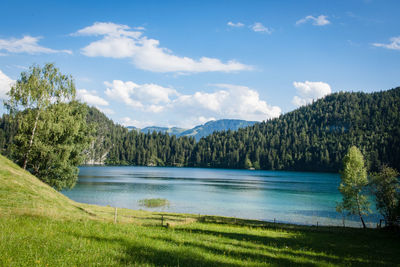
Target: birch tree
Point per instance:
(353, 182)
(33, 92)
(52, 130)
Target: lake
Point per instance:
(294, 197)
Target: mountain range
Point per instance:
(198, 131)
(314, 137)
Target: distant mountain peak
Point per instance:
(199, 131)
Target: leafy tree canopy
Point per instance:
(353, 182)
(52, 131)
(386, 187)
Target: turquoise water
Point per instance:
(295, 197)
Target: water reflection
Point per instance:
(303, 198)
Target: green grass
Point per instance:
(154, 202)
(41, 227)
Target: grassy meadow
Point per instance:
(41, 227)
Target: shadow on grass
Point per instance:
(347, 247)
(266, 224)
(136, 253)
(86, 211)
(227, 247)
(260, 255)
(190, 254)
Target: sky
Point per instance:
(183, 63)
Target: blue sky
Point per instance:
(182, 63)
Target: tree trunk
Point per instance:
(359, 213)
(31, 140)
(362, 220)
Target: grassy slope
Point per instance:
(40, 227)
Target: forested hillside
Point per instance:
(106, 135)
(313, 138)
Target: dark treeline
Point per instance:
(7, 132)
(312, 138)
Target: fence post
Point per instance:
(162, 220)
(115, 215)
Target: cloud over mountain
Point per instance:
(309, 91)
(225, 101)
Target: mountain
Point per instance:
(200, 130)
(171, 131)
(130, 128)
(105, 136)
(216, 126)
(311, 138)
(314, 137)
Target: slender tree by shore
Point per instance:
(51, 125)
(353, 183)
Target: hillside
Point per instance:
(311, 138)
(314, 137)
(105, 136)
(22, 194)
(41, 227)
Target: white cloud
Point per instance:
(91, 98)
(394, 45)
(309, 91)
(27, 44)
(187, 110)
(5, 85)
(119, 41)
(321, 20)
(230, 101)
(259, 27)
(107, 111)
(235, 25)
(145, 97)
(109, 29)
(203, 119)
(127, 121)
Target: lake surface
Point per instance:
(295, 197)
